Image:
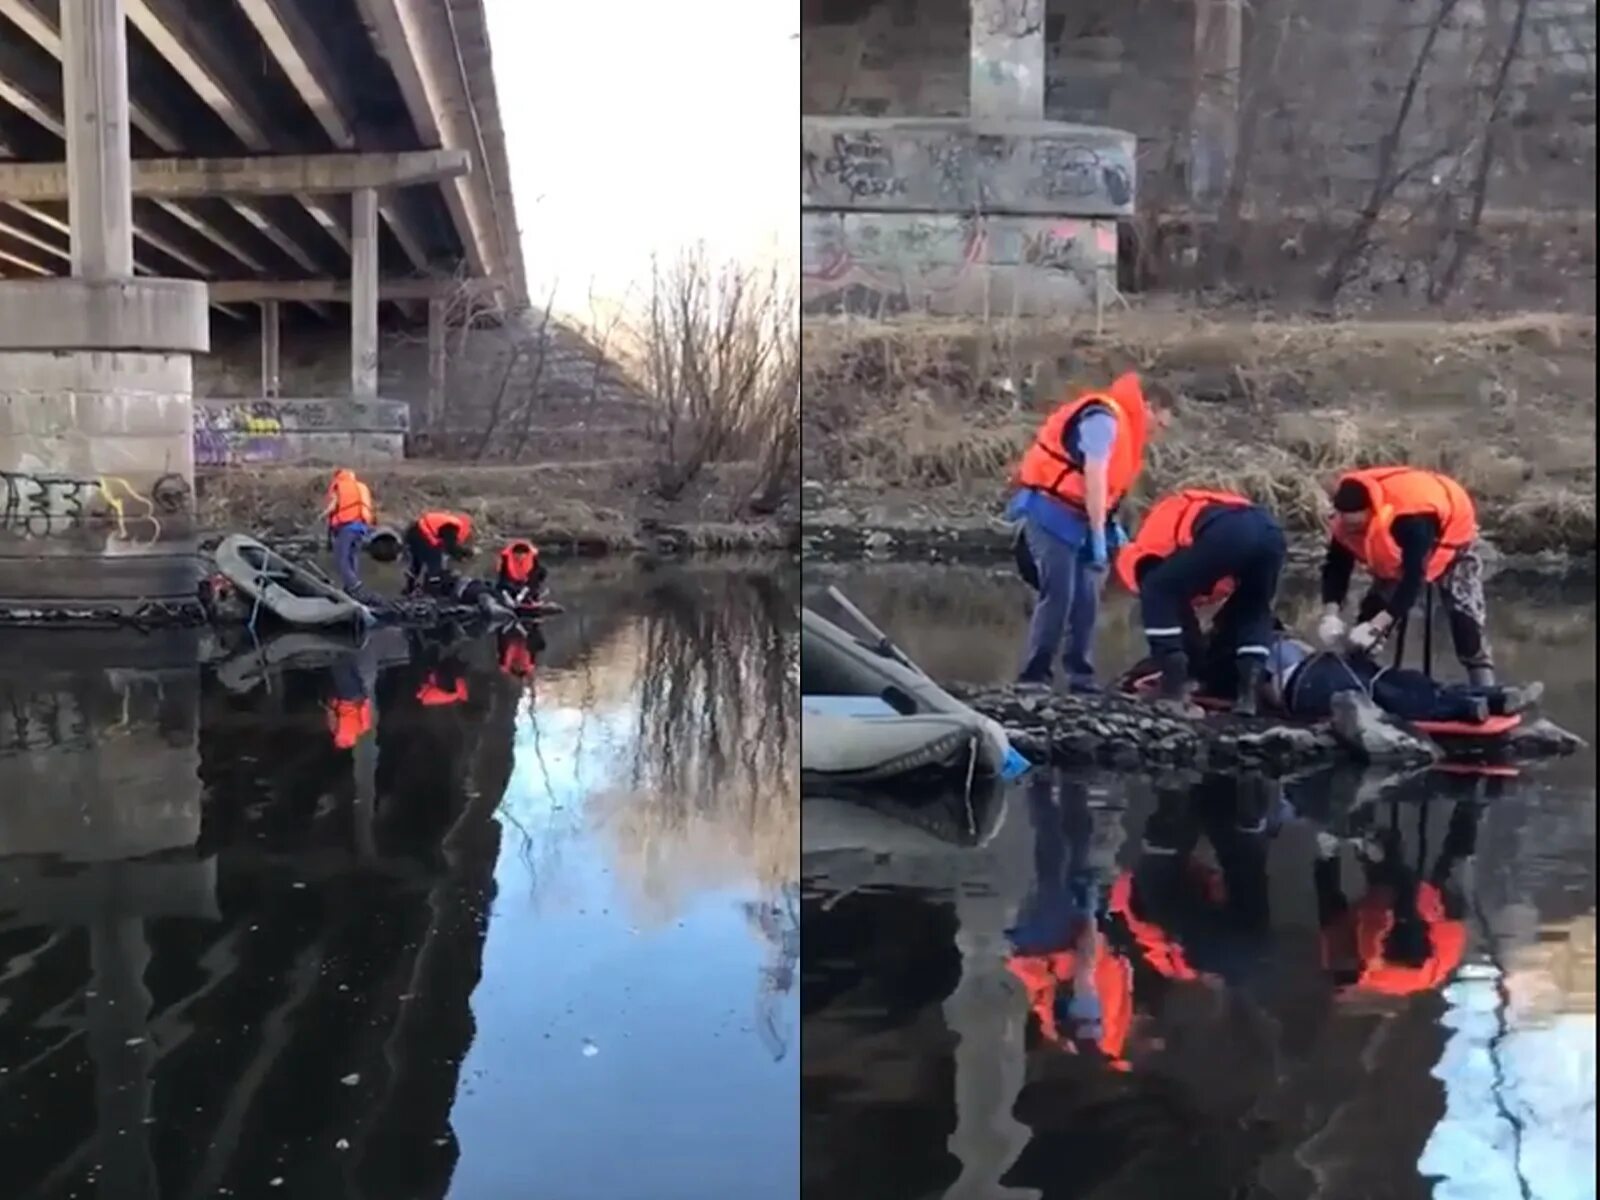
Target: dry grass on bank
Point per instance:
(599, 503)
(940, 410)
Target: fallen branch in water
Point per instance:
(1115, 731)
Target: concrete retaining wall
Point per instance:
(960, 216)
(299, 432)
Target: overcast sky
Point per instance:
(637, 125)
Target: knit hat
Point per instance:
(1351, 496)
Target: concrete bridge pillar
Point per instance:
(96, 386)
(271, 345)
(1007, 43)
(364, 294)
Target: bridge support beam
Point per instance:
(96, 384)
(364, 294)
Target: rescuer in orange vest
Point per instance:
(350, 516)
(1408, 527)
(520, 575)
(1083, 460)
(429, 540)
(1196, 547)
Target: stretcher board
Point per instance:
(1492, 727)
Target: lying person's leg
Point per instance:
(1412, 696)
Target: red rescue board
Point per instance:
(1147, 684)
(1493, 727)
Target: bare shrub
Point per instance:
(720, 361)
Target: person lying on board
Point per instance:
(1301, 682)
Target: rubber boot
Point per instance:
(1174, 685)
(1480, 709)
(1249, 668)
(1509, 701)
(1480, 677)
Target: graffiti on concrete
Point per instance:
(49, 505)
(895, 262)
(263, 432)
(1069, 170)
(864, 166)
(949, 166)
(1079, 247)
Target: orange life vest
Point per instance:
(349, 500)
(1169, 527)
(432, 694)
(349, 721)
(517, 561)
(431, 524)
(1111, 976)
(1046, 466)
(1409, 492)
(1447, 939)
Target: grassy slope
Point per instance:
(918, 421)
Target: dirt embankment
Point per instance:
(911, 428)
(593, 507)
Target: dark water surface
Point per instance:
(1346, 986)
(528, 935)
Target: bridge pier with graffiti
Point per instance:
(999, 213)
(178, 179)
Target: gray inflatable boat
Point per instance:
(870, 716)
(295, 593)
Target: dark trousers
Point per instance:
(347, 542)
(423, 562)
(1245, 544)
(1461, 594)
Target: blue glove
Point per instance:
(1116, 535)
(1094, 551)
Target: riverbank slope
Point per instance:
(912, 426)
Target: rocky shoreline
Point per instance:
(1115, 731)
(979, 542)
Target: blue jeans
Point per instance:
(1068, 600)
(347, 542)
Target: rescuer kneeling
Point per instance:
(430, 540)
(1196, 547)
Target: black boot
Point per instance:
(1249, 668)
(1174, 685)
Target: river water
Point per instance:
(1346, 986)
(525, 925)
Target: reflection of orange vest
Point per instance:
(350, 500)
(431, 524)
(517, 561)
(348, 721)
(433, 695)
(1169, 527)
(1409, 492)
(516, 659)
(1046, 466)
(1043, 975)
(1164, 956)
(1447, 940)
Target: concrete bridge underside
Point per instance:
(163, 158)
